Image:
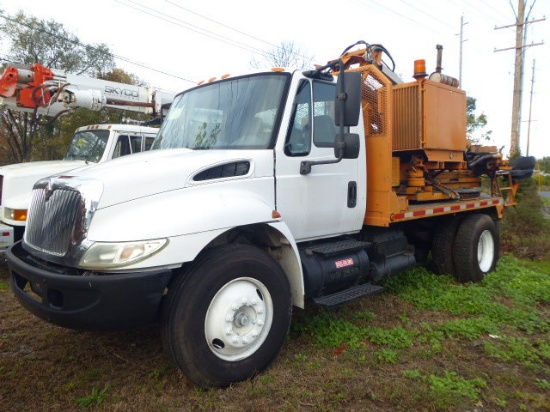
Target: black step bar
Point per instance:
(348, 295)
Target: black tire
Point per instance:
(228, 317)
(442, 246)
(476, 248)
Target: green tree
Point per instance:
(475, 123)
(544, 164)
(48, 42)
(31, 40)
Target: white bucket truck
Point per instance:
(52, 93)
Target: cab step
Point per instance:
(336, 248)
(348, 295)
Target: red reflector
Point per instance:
(5, 233)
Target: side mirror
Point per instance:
(347, 110)
(348, 99)
(351, 146)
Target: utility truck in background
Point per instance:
(263, 192)
(52, 93)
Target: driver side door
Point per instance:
(327, 201)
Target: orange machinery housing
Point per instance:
(416, 144)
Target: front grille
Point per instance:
(52, 219)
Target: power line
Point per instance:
(188, 26)
(219, 23)
(153, 12)
(423, 11)
(381, 6)
(489, 13)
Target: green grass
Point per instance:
(509, 296)
(505, 316)
(468, 328)
(96, 398)
(525, 228)
(507, 300)
(532, 353)
(448, 387)
(426, 343)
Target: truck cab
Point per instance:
(222, 192)
(90, 145)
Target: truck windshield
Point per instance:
(88, 145)
(237, 113)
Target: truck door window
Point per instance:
(319, 106)
(149, 142)
(298, 140)
(122, 147)
(324, 129)
(135, 143)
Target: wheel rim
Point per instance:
(485, 251)
(238, 319)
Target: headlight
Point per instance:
(15, 214)
(110, 255)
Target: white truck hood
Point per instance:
(158, 171)
(19, 178)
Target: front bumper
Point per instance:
(97, 302)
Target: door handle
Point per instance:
(352, 194)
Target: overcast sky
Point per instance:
(173, 44)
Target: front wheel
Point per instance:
(228, 318)
(476, 248)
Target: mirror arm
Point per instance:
(305, 166)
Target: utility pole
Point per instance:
(518, 77)
(521, 24)
(462, 24)
(530, 107)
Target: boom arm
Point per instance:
(52, 92)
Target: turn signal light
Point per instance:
(20, 214)
(15, 214)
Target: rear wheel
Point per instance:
(442, 247)
(228, 318)
(476, 248)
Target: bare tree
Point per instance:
(286, 54)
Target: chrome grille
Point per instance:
(52, 219)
